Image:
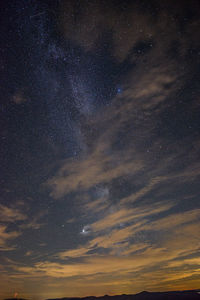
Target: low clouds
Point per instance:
(117, 237)
(173, 258)
(9, 214)
(6, 237)
(123, 216)
(35, 222)
(145, 260)
(13, 216)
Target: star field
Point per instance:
(99, 147)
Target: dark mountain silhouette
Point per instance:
(178, 295)
(15, 299)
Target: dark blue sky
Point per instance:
(99, 147)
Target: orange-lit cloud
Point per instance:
(10, 214)
(7, 236)
(143, 259)
(35, 222)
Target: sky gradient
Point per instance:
(99, 147)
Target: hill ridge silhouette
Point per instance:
(144, 295)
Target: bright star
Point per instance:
(119, 90)
(86, 230)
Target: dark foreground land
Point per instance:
(179, 295)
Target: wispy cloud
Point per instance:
(155, 266)
(11, 214)
(7, 236)
(35, 222)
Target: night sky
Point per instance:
(99, 147)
